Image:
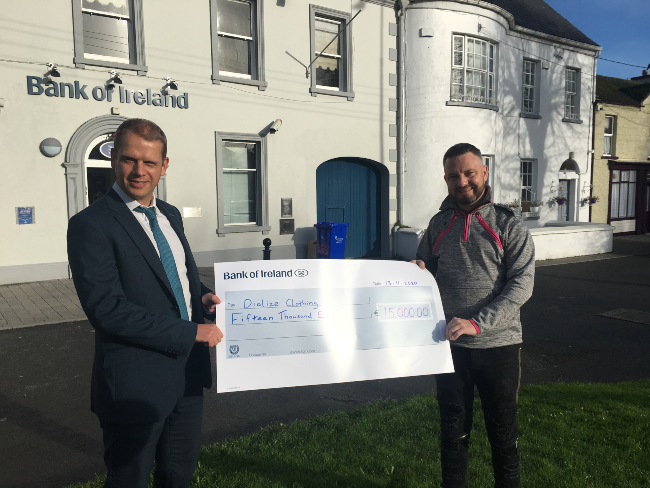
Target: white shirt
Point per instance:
(171, 236)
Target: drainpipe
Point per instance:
(592, 129)
(401, 105)
(400, 16)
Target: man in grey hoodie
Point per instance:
(483, 259)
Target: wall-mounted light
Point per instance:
(171, 84)
(50, 147)
(52, 70)
(114, 79)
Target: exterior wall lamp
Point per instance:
(171, 83)
(113, 80)
(50, 147)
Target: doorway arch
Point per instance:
(75, 155)
(569, 178)
(76, 158)
(355, 191)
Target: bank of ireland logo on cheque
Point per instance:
(234, 349)
(300, 273)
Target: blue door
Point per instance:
(349, 191)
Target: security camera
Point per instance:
(275, 126)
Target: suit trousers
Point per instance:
(496, 374)
(174, 443)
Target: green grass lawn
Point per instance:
(571, 435)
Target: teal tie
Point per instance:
(166, 257)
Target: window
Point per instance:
(472, 72)
(331, 52)
(238, 42)
(528, 177)
(241, 183)
(109, 34)
(488, 160)
(608, 143)
(572, 96)
(530, 91)
(623, 194)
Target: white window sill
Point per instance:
(334, 92)
(472, 104)
(260, 84)
(572, 121)
(233, 229)
(81, 61)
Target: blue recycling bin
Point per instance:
(331, 239)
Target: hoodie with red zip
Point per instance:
(484, 264)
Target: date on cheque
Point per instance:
(403, 311)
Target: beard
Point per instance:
(470, 197)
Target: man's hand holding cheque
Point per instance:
(209, 334)
(456, 327)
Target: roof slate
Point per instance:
(618, 90)
(537, 15)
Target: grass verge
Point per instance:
(572, 435)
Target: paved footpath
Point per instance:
(49, 437)
(38, 303)
(48, 302)
(55, 301)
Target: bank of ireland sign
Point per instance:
(38, 86)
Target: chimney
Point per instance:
(644, 75)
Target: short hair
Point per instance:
(460, 149)
(144, 128)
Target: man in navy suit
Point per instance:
(139, 286)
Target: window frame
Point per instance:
(535, 112)
(262, 224)
(574, 115)
(630, 184)
(612, 136)
(532, 188)
(136, 45)
(258, 77)
(490, 102)
(345, 50)
(488, 160)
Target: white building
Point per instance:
(513, 78)
(238, 66)
(365, 119)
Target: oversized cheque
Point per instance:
(310, 322)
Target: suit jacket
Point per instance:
(145, 354)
